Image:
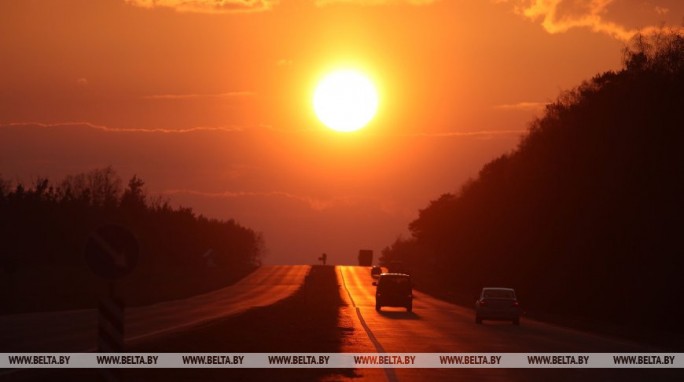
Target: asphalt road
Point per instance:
(436, 326)
(75, 331)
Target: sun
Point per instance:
(345, 100)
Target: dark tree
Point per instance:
(584, 218)
(43, 230)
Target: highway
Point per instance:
(75, 331)
(436, 326)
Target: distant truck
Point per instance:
(366, 257)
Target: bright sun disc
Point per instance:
(345, 100)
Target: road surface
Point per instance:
(75, 331)
(436, 326)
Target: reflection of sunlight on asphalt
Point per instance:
(436, 326)
(75, 330)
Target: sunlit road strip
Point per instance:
(439, 327)
(391, 375)
(76, 330)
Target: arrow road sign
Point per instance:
(111, 251)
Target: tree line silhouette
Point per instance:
(44, 228)
(584, 217)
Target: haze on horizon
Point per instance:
(210, 103)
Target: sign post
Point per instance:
(111, 252)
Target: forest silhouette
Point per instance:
(44, 229)
(584, 217)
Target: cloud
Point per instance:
(285, 62)
(239, 94)
(661, 10)
(331, 206)
(207, 6)
(522, 106)
(313, 203)
(237, 6)
(558, 16)
(476, 134)
(107, 129)
(321, 3)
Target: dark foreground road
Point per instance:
(75, 330)
(308, 321)
(333, 311)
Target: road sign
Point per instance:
(111, 251)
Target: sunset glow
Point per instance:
(325, 125)
(345, 100)
(337, 189)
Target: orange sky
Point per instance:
(210, 101)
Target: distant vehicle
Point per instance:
(376, 271)
(366, 257)
(497, 304)
(394, 289)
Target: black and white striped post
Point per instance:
(110, 325)
(111, 253)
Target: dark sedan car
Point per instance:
(497, 304)
(394, 289)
